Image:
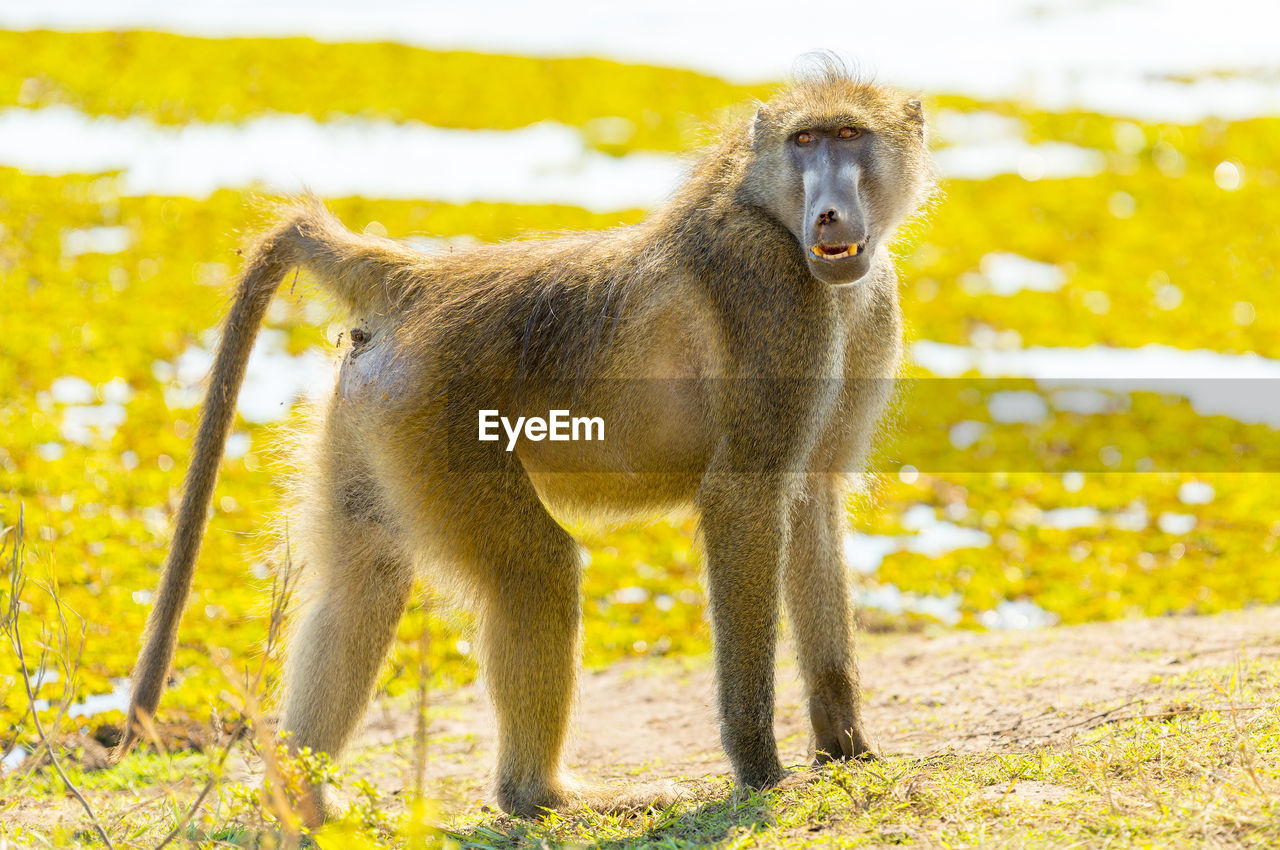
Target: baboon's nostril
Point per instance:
(828, 217)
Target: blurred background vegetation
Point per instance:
(1158, 246)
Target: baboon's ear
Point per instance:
(915, 113)
(758, 125)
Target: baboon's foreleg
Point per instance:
(743, 523)
(360, 587)
(818, 608)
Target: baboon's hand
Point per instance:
(837, 730)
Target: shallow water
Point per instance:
(1245, 387)
(546, 163)
(95, 240)
(1047, 160)
(541, 164)
(274, 380)
(116, 700)
(12, 759)
(1004, 273)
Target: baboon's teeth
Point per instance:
(823, 252)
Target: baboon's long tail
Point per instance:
(273, 257)
(367, 275)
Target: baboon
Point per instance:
(739, 344)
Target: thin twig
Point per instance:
(420, 725)
(166, 790)
(1181, 712)
(214, 775)
(69, 689)
(15, 638)
(281, 593)
(10, 613)
(1102, 714)
(286, 813)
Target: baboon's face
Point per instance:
(842, 179)
(835, 228)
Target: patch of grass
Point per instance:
(1205, 772)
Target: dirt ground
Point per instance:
(926, 693)
(950, 691)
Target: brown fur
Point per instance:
(731, 381)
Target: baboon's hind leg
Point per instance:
(524, 570)
(529, 640)
(358, 583)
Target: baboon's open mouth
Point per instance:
(834, 252)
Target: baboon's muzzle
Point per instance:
(838, 239)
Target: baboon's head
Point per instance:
(841, 163)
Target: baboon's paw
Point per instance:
(784, 781)
(761, 777)
(795, 779)
(311, 806)
(628, 798)
(533, 805)
(599, 798)
(865, 756)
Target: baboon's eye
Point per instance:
(849, 132)
(804, 138)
